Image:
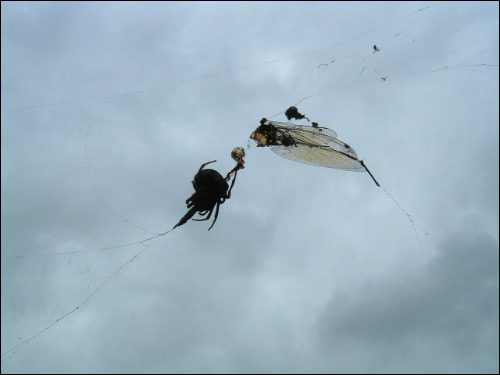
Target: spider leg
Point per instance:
(216, 214)
(209, 162)
(192, 199)
(204, 213)
(231, 188)
(235, 170)
(204, 219)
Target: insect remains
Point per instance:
(211, 190)
(293, 113)
(314, 145)
(238, 155)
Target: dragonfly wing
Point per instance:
(337, 145)
(318, 133)
(316, 136)
(319, 156)
(307, 134)
(312, 145)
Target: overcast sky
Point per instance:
(108, 111)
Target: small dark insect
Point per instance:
(293, 113)
(211, 190)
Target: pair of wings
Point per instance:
(312, 145)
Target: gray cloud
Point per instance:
(307, 269)
(443, 303)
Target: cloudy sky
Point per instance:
(108, 111)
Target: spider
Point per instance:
(211, 190)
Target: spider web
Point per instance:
(93, 178)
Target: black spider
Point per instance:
(211, 190)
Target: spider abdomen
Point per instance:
(211, 181)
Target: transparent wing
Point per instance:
(319, 156)
(312, 145)
(315, 132)
(314, 137)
